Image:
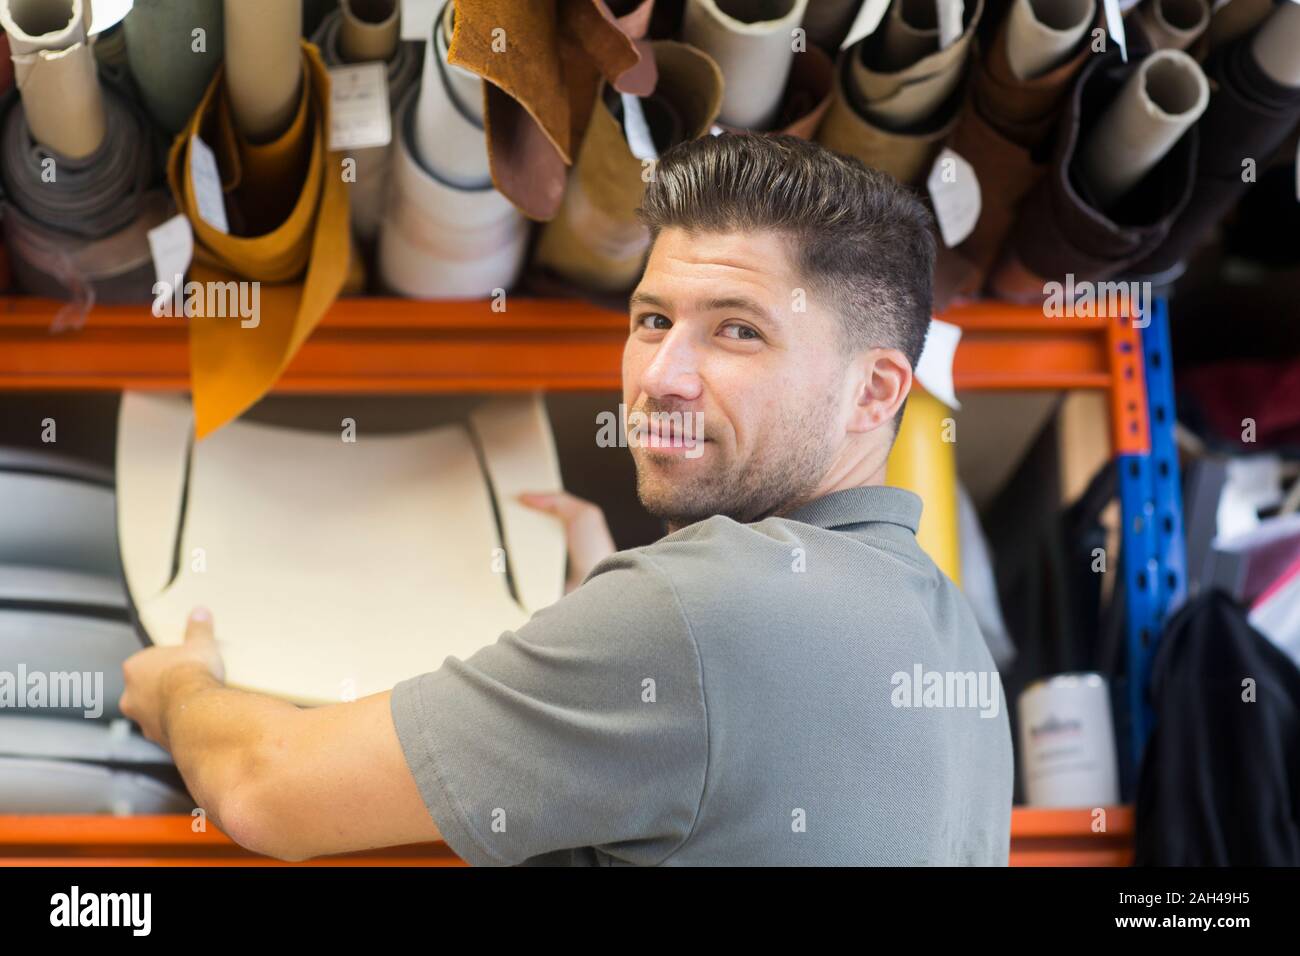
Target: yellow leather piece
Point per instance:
(921, 461)
(288, 209)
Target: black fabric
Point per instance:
(1220, 777)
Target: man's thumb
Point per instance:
(199, 626)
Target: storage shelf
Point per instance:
(1039, 837)
(398, 346)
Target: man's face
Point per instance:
(721, 326)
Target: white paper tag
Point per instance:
(637, 129)
(955, 192)
(716, 130)
(172, 247)
(417, 19)
(207, 186)
(107, 13)
(1115, 26)
(934, 367)
(359, 112)
(868, 18)
(950, 13)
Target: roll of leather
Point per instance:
(448, 135)
(901, 82)
(1174, 24)
(90, 196)
(55, 73)
(905, 155)
(752, 45)
(1043, 34)
(1003, 130)
(263, 78)
(528, 111)
(368, 193)
(439, 240)
(827, 22)
(1249, 117)
(83, 236)
(897, 119)
(807, 94)
(288, 211)
(1061, 228)
(117, 269)
(34, 785)
(161, 49)
(633, 18)
(596, 240)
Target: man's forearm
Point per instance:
(218, 735)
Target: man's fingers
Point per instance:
(563, 505)
(199, 626)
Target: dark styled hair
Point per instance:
(858, 238)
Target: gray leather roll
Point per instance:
(52, 521)
(88, 198)
(160, 44)
(68, 786)
(368, 194)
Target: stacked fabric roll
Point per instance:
(173, 48)
(1122, 172)
(278, 215)
(596, 240)
(447, 231)
(64, 633)
(1250, 115)
(78, 160)
(1016, 93)
(898, 92)
(363, 32)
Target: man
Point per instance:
(739, 692)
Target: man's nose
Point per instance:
(674, 371)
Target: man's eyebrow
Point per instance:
(740, 303)
(645, 298)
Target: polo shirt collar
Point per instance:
(862, 505)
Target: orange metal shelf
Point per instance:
(1038, 838)
(397, 346)
(394, 346)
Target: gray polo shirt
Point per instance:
(808, 689)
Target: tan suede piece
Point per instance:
(529, 118)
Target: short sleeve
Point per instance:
(584, 727)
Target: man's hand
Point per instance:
(585, 530)
(152, 672)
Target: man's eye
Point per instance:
(655, 321)
(742, 332)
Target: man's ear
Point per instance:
(881, 383)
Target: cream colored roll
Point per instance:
(441, 241)
(370, 29)
(1174, 24)
(752, 42)
(1166, 94)
(449, 137)
(263, 60)
(1277, 45)
(55, 72)
(1043, 34)
(900, 98)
